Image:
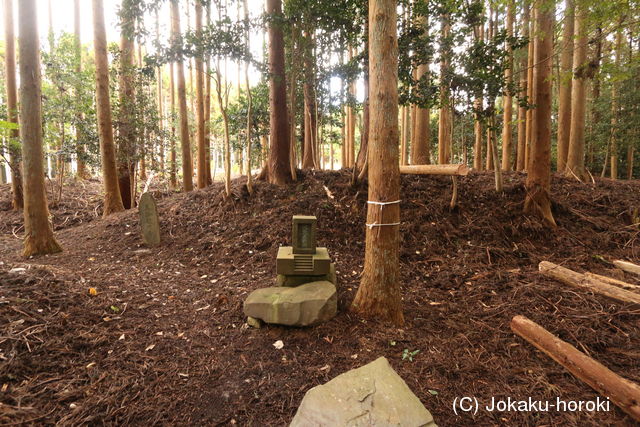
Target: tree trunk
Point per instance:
(82, 167)
(200, 118)
(112, 198)
(379, 293)
(530, 88)
(478, 106)
(127, 142)
(310, 124)
(39, 238)
(279, 169)
(173, 181)
(249, 100)
(524, 83)
(538, 184)
(351, 120)
(508, 98)
(575, 156)
(444, 124)
(622, 392)
(614, 110)
(187, 169)
(564, 97)
(12, 106)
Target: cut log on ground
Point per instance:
(623, 393)
(461, 170)
(612, 281)
(629, 267)
(581, 281)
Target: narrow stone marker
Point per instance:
(372, 395)
(149, 221)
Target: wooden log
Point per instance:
(611, 281)
(581, 281)
(627, 266)
(623, 393)
(453, 169)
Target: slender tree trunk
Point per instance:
(200, 131)
(173, 181)
(39, 237)
(421, 139)
(207, 109)
(444, 124)
(406, 134)
(310, 124)
(361, 167)
(187, 170)
(477, 127)
(112, 198)
(524, 83)
(127, 142)
(614, 109)
(538, 184)
(575, 156)
(249, 100)
(351, 120)
(565, 83)
(12, 105)
(379, 293)
(595, 92)
(507, 116)
(82, 167)
(530, 88)
(279, 169)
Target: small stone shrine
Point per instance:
(305, 293)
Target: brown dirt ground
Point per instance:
(164, 341)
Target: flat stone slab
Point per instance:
(304, 305)
(285, 280)
(149, 220)
(372, 395)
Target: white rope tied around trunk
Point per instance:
(382, 204)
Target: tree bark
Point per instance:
(622, 392)
(565, 83)
(310, 123)
(112, 198)
(444, 123)
(279, 169)
(507, 116)
(531, 66)
(81, 172)
(187, 169)
(538, 184)
(379, 292)
(454, 169)
(126, 159)
(39, 238)
(200, 118)
(524, 83)
(12, 106)
(614, 110)
(421, 138)
(581, 281)
(575, 156)
(173, 181)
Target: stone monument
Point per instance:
(306, 282)
(149, 222)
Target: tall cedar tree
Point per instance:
(12, 104)
(508, 99)
(379, 292)
(112, 198)
(200, 131)
(538, 182)
(575, 156)
(185, 143)
(564, 95)
(82, 166)
(39, 237)
(126, 128)
(278, 167)
(421, 144)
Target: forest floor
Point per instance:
(164, 341)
